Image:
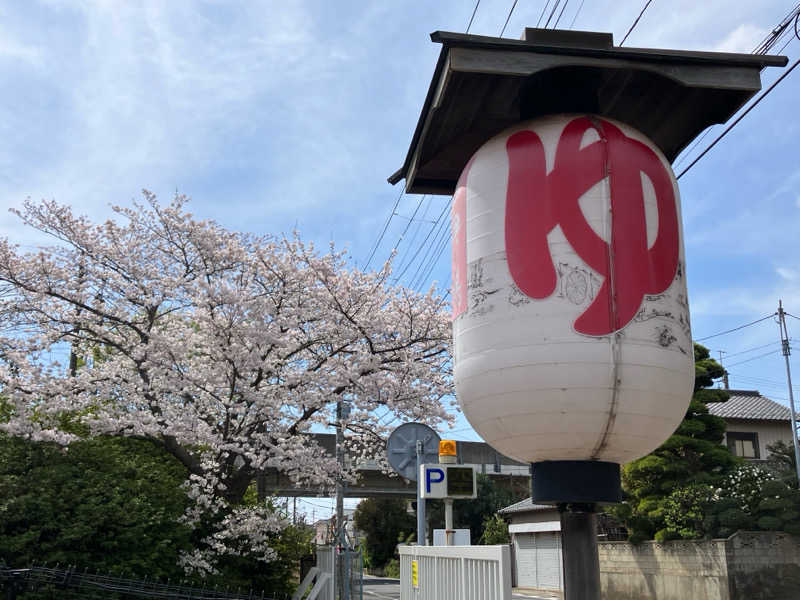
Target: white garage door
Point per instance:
(525, 553)
(538, 558)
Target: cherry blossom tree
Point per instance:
(224, 348)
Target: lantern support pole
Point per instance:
(579, 551)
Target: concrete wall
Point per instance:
(669, 571)
(746, 566)
(764, 565)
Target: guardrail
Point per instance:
(455, 573)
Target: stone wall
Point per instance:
(746, 566)
(763, 565)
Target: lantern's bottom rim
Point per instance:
(575, 481)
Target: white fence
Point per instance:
(319, 583)
(455, 573)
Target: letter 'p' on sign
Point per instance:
(433, 475)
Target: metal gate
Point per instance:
(353, 564)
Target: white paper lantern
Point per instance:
(571, 319)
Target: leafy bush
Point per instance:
(392, 569)
(495, 531)
(684, 513)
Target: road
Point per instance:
(385, 588)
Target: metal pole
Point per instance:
(340, 537)
(421, 538)
(448, 521)
(786, 352)
(579, 551)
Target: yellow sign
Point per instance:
(414, 574)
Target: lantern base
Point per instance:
(575, 481)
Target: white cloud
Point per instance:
(742, 39)
(786, 273)
(11, 49)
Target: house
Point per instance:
(752, 421)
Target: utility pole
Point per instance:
(341, 541)
(724, 370)
(786, 351)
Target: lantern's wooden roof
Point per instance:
(483, 85)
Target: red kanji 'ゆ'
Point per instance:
(538, 201)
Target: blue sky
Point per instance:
(275, 115)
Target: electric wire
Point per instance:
(566, 3)
(422, 245)
(636, 22)
(727, 331)
(791, 315)
(437, 254)
(417, 229)
(544, 10)
(508, 18)
(423, 266)
(410, 221)
(747, 360)
(685, 155)
(777, 32)
(739, 118)
(552, 12)
(385, 227)
(474, 10)
(577, 12)
(751, 349)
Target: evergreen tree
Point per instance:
(385, 522)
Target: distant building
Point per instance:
(325, 529)
(752, 423)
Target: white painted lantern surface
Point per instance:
(570, 313)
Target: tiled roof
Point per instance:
(750, 405)
(524, 506)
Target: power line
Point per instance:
(636, 22)
(747, 360)
(410, 221)
(742, 116)
(563, 8)
(752, 349)
(423, 265)
(385, 227)
(779, 31)
(577, 12)
(422, 245)
(685, 155)
(416, 232)
(474, 10)
(727, 331)
(437, 254)
(510, 12)
(552, 12)
(544, 10)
